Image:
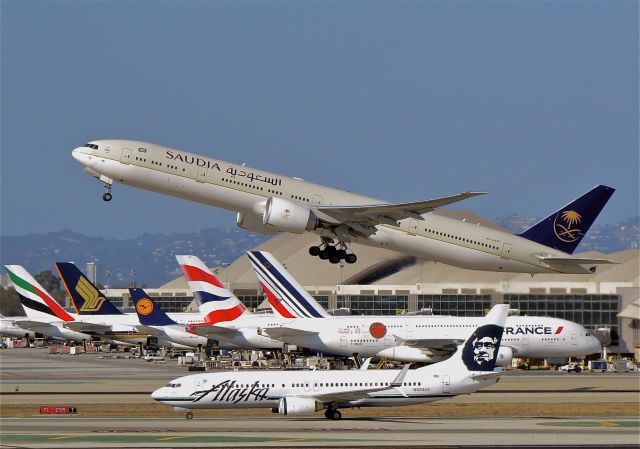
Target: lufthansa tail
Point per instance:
(564, 229)
(149, 313)
(85, 296)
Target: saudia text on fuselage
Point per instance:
(227, 391)
(231, 171)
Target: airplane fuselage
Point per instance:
(246, 190)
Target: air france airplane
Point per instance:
(268, 203)
(44, 315)
(411, 338)
(293, 393)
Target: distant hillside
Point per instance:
(152, 255)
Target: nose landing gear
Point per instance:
(329, 251)
(107, 195)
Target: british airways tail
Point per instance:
(564, 229)
(85, 297)
(149, 313)
(286, 296)
(217, 304)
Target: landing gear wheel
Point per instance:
(350, 258)
(106, 196)
(334, 414)
(334, 258)
(314, 250)
(189, 415)
(342, 253)
(324, 254)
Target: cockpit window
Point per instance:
(93, 146)
(174, 385)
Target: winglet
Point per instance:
(397, 382)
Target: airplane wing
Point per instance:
(80, 326)
(389, 213)
(353, 395)
(284, 332)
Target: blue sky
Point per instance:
(534, 102)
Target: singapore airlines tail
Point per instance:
(217, 304)
(86, 298)
(564, 229)
(286, 296)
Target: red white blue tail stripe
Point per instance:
(217, 304)
(286, 296)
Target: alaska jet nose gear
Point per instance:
(329, 251)
(107, 195)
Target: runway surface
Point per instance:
(115, 410)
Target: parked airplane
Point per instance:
(268, 203)
(294, 393)
(98, 314)
(154, 321)
(415, 338)
(9, 328)
(44, 315)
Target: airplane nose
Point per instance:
(77, 154)
(157, 395)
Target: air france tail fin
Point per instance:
(85, 297)
(149, 313)
(36, 301)
(478, 354)
(286, 296)
(564, 229)
(217, 304)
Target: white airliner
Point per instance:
(44, 315)
(268, 203)
(9, 328)
(411, 338)
(294, 393)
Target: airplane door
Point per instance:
(199, 384)
(574, 339)
(506, 249)
(315, 386)
(202, 174)
(126, 156)
(343, 342)
(317, 199)
(413, 226)
(446, 384)
(307, 386)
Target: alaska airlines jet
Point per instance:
(293, 393)
(268, 203)
(44, 315)
(411, 338)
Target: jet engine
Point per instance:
(298, 406)
(253, 223)
(505, 356)
(287, 216)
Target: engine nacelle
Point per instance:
(405, 354)
(286, 216)
(253, 222)
(298, 406)
(505, 356)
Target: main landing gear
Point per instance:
(328, 251)
(332, 413)
(189, 415)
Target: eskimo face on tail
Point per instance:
(481, 349)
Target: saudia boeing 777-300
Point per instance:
(269, 203)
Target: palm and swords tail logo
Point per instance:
(563, 226)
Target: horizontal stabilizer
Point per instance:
(150, 330)
(80, 326)
(577, 260)
(284, 332)
(212, 331)
(35, 325)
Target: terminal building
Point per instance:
(383, 282)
